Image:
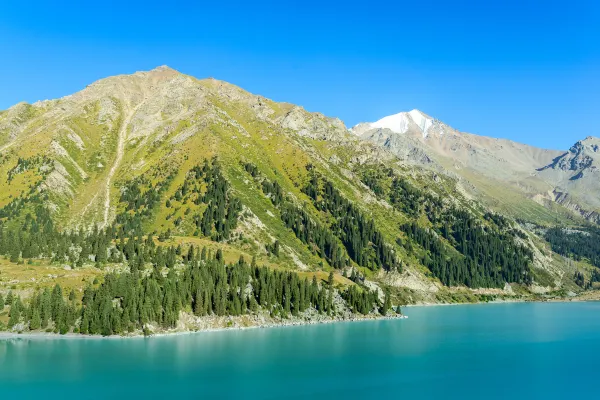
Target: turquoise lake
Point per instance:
(529, 351)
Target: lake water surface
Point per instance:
(529, 351)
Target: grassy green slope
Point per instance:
(171, 122)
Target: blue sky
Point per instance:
(523, 70)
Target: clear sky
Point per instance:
(524, 70)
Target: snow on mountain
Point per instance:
(400, 123)
(397, 123)
(569, 178)
(423, 122)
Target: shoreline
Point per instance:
(4, 335)
(576, 299)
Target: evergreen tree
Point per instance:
(15, 313)
(45, 307)
(9, 298)
(330, 293)
(583, 243)
(56, 304)
(36, 320)
(387, 304)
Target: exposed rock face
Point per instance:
(405, 147)
(313, 125)
(434, 140)
(576, 178)
(487, 164)
(580, 157)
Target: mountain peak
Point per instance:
(402, 122)
(415, 112)
(162, 71)
(591, 140)
(163, 68)
(590, 145)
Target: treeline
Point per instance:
(37, 236)
(498, 254)
(318, 236)
(361, 301)
(27, 164)
(27, 229)
(595, 277)
(491, 254)
(398, 191)
(26, 201)
(363, 241)
(206, 185)
(351, 236)
(476, 252)
(376, 179)
(581, 281)
(479, 261)
(139, 198)
(203, 284)
(45, 308)
(578, 245)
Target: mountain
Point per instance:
(532, 184)
(163, 185)
(576, 177)
(114, 126)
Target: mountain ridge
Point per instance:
(517, 166)
(163, 156)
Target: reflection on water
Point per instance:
(455, 352)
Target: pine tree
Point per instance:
(56, 302)
(15, 253)
(208, 287)
(330, 293)
(36, 320)
(15, 313)
(386, 303)
(9, 298)
(46, 307)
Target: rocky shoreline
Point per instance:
(189, 324)
(582, 297)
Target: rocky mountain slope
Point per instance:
(576, 177)
(532, 184)
(162, 156)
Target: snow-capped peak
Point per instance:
(422, 121)
(400, 122)
(397, 123)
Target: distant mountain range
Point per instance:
(488, 166)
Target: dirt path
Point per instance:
(121, 140)
(120, 150)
